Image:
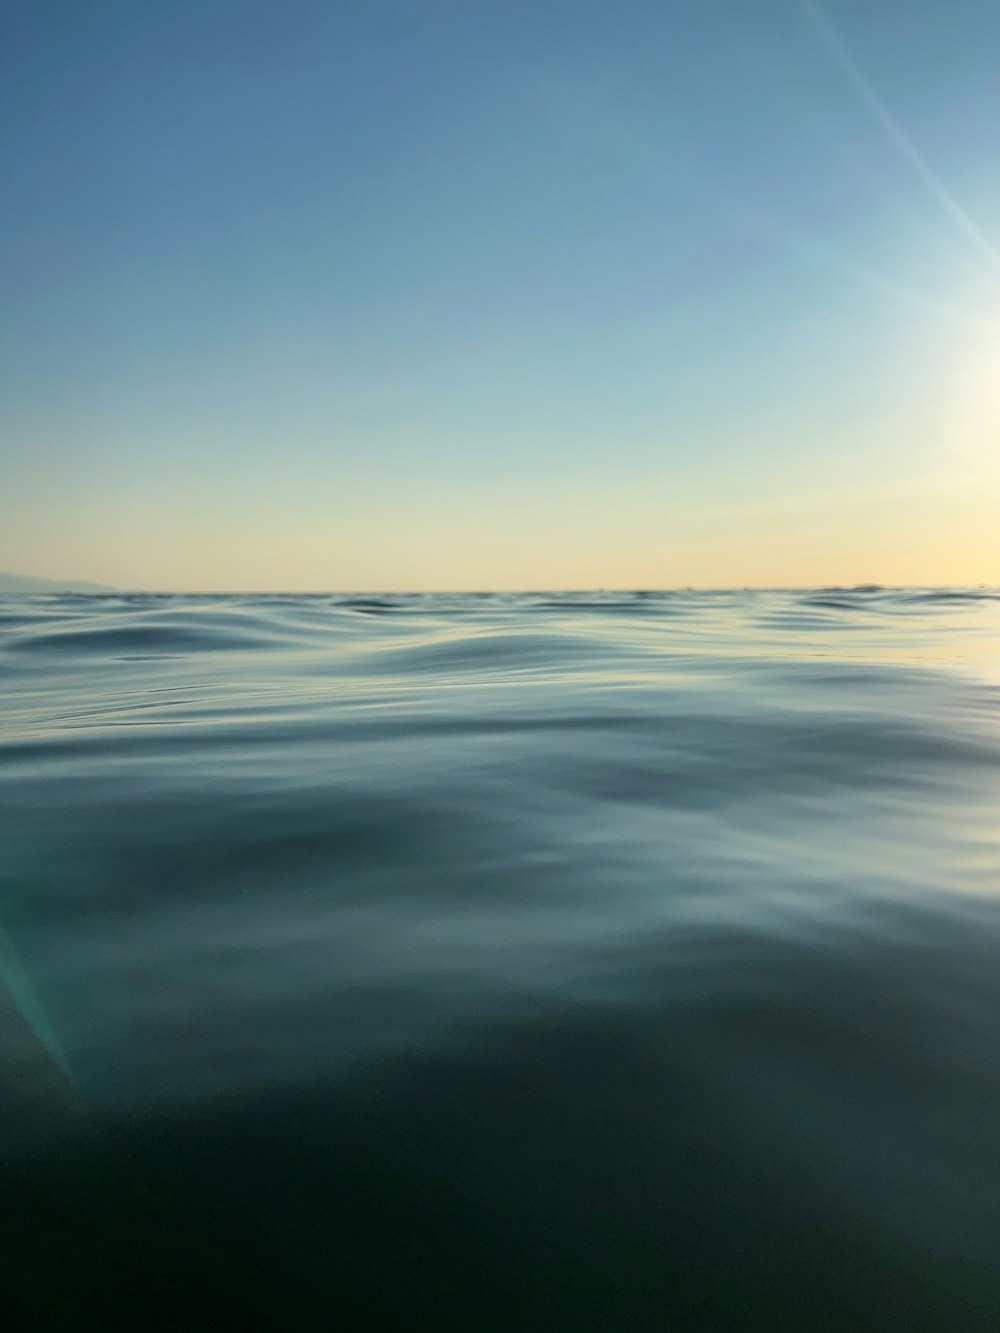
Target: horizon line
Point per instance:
(868, 586)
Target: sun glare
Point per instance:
(972, 415)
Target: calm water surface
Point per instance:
(506, 962)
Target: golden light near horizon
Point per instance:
(972, 407)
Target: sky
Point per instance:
(389, 294)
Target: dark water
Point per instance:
(585, 962)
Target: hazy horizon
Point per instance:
(315, 297)
(73, 585)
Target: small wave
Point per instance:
(833, 603)
(947, 596)
(133, 640)
(855, 588)
(370, 605)
(489, 651)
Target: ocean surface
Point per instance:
(611, 961)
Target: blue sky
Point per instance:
(328, 295)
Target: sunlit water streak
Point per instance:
(585, 961)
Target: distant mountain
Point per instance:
(26, 583)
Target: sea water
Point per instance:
(594, 961)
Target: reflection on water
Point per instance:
(502, 962)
